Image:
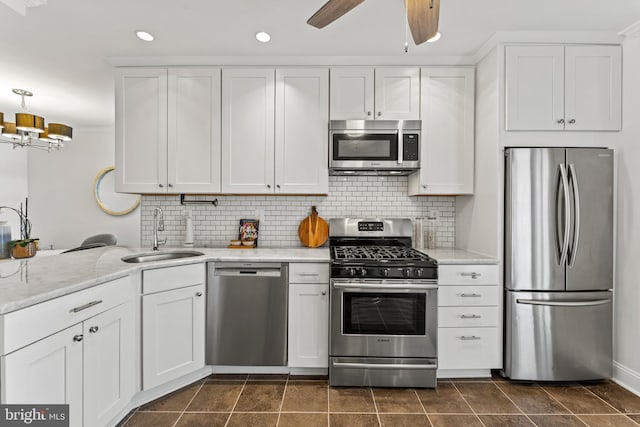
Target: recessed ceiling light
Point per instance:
(263, 37)
(434, 38)
(143, 35)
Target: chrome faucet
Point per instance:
(158, 225)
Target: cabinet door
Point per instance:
(351, 93)
(48, 371)
(194, 130)
(593, 92)
(397, 93)
(308, 325)
(447, 150)
(172, 334)
(109, 365)
(141, 130)
(302, 137)
(247, 130)
(535, 88)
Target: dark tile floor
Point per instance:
(279, 400)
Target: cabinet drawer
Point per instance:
(456, 317)
(309, 272)
(164, 279)
(476, 274)
(31, 324)
(468, 348)
(467, 295)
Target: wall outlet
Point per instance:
(259, 215)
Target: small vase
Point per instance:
(27, 251)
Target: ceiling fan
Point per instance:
(422, 16)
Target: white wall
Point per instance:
(627, 286)
(62, 207)
(13, 183)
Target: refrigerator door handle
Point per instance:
(564, 245)
(564, 303)
(573, 178)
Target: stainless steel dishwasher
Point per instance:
(247, 314)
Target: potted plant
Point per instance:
(27, 246)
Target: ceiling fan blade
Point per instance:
(422, 16)
(332, 10)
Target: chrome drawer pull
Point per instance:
(469, 338)
(473, 275)
(84, 307)
(383, 366)
(470, 316)
(78, 338)
(309, 274)
(474, 295)
(93, 329)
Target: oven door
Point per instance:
(383, 318)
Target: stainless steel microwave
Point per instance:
(374, 147)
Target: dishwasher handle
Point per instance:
(248, 272)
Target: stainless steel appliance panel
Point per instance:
(536, 219)
(382, 372)
(370, 227)
(590, 254)
(558, 336)
(396, 318)
(247, 314)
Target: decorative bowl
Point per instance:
(235, 242)
(248, 242)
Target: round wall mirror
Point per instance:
(109, 201)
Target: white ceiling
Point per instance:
(61, 50)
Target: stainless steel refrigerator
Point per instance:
(558, 263)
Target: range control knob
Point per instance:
(351, 271)
(418, 272)
(385, 272)
(406, 272)
(363, 272)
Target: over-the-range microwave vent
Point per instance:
(371, 172)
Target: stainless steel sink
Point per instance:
(160, 256)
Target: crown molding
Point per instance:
(20, 6)
(632, 30)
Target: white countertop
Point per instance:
(458, 256)
(33, 280)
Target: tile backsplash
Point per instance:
(365, 196)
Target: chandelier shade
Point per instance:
(29, 122)
(60, 132)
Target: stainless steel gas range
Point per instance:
(383, 305)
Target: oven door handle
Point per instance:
(382, 366)
(404, 286)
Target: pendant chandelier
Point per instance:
(29, 130)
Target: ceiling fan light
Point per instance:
(10, 131)
(435, 38)
(29, 122)
(60, 132)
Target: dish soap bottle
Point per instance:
(188, 229)
(5, 238)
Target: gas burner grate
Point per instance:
(377, 253)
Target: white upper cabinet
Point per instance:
(352, 93)
(194, 131)
(247, 130)
(447, 148)
(302, 122)
(563, 88)
(363, 93)
(168, 130)
(275, 131)
(141, 130)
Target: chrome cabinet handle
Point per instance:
(469, 338)
(323, 293)
(368, 113)
(309, 274)
(278, 186)
(93, 329)
(78, 338)
(84, 307)
(572, 121)
(379, 113)
(474, 295)
(470, 316)
(268, 185)
(424, 186)
(160, 185)
(198, 294)
(170, 185)
(560, 121)
(473, 275)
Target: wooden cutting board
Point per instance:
(313, 230)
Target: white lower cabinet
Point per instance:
(173, 324)
(309, 315)
(89, 365)
(468, 320)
